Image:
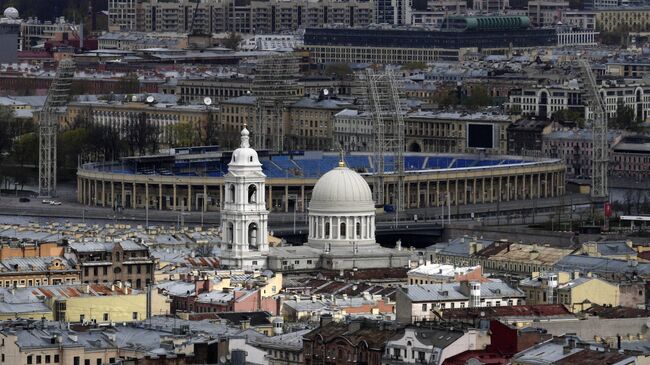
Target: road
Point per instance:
(11, 210)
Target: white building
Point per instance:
(341, 222)
(244, 218)
(422, 302)
(424, 345)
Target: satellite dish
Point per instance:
(150, 99)
(248, 92)
(134, 98)
(222, 360)
(207, 101)
(326, 92)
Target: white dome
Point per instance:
(11, 13)
(341, 190)
(245, 156)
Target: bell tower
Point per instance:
(244, 218)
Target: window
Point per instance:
(343, 230)
(252, 194)
(105, 270)
(87, 362)
(76, 360)
(327, 230)
(29, 359)
(56, 358)
(309, 262)
(105, 316)
(48, 359)
(99, 361)
(134, 316)
(358, 229)
(424, 307)
(82, 317)
(129, 269)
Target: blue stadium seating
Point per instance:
(434, 162)
(463, 162)
(413, 162)
(487, 162)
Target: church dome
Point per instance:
(341, 190)
(245, 156)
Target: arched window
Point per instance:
(252, 194)
(358, 229)
(327, 230)
(252, 237)
(343, 230)
(231, 193)
(229, 232)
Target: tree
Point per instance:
(624, 118)
(209, 133)
(415, 65)
(232, 41)
(568, 115)
(478, 98)
(340, 70)
(107, 142)
(128, 84)
(6, 121)
(142, 135)
(183, 135)
(447, 96)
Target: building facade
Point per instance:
(125, 262)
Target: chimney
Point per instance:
(325, 319)
(245, 324)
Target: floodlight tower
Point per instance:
(57, 98)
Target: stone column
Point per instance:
(160, 197)
(103, 193)
(146, 194)
(189, 197)
(302, 199)
(174, 196)
(286, 198)
(205, 198)
(123, 195)
(133, 198)
(112, 194)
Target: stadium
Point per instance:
(192, 179)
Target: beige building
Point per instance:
(629, 19)
(123, 115)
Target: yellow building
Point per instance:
(577, 294)
(628, 19)
(83, 303)
(580, 293)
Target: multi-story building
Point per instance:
(432, 343)
(423, 302)
(575, 148)
(630, 158)
(34, 33)
(525, 136)
(125, 261)
(637, 68)
(44, 270)
(361, 342)
(85, 303)
(449, 132)
(352, 130)
(257, 16)
(580, 19)
(458, 36)
(441, 273)
(543, 101)
(122, 15)
(577, 293)
(311, 123)
(622, 18)
(123, 115)
(546, 12)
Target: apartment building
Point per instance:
(257, 16)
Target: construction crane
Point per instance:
(384, 105)
(600, 151)
(57, 98)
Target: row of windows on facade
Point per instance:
(53, 359)
(117, 270)
(32, 282)
(462, 304)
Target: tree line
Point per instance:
(82, 140)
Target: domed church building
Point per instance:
(341, 223)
